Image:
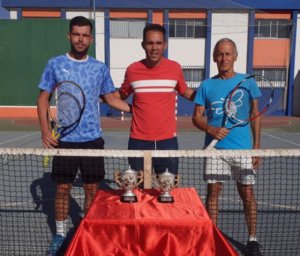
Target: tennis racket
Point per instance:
(66, 106)
(237, 105)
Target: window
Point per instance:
(193, 75)
(277, 75)
(132, 28)
(187, 28)
(272, 28)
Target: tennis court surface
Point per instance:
(27, 191)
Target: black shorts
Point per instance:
(159, 164)
(65, 168)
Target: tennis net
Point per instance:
(27, 195)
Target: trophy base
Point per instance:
(165, 199)
(128, 199)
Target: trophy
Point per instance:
(128, 180)
(166, 181)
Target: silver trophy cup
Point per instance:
(165, 182)
(128, 180)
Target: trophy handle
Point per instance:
(117, 177)
(176, 181)
(140, 178)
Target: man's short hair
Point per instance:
(154, 27)
(80, 21)
(223, 40)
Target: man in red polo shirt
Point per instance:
(154, 82)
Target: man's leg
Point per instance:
(92, 171)
(137, 163)
(160, 164)
(250, 208)
(62, 205)
(90, 191)
(212, 200)
(62, 201)
(63, 173)
(247, 195)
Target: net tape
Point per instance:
(153, 153)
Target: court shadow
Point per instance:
(106, 184)
(43, 193)
(241, 248)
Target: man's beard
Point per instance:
(84, 52)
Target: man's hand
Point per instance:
(218, 133)
(49, 139)
(255, 162)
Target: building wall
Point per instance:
(233, 25)
(296, 91)
(297, 53)
(120, 52)
(270, 52)
(123, 52)
(13, 15)
(188, 52)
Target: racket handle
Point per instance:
(46, 160)
(212, 144)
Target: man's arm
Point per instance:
(200, 122)
(198, 118)
(113, 100)
(189, 94)
(120, 95)
(42, 110)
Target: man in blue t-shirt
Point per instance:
(210, 99)
(95, 81)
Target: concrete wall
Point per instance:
(234, 26)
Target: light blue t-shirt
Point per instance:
(94, 79)
(212, 94)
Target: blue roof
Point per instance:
(156, 4)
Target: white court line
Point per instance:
(31, 203)
(280, 139)
(19, 138)
(278, 206)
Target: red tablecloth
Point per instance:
(148, 228)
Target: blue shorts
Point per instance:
(65, 168)
(159, 164)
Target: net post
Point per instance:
(147, 169)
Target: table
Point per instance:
(148, 228)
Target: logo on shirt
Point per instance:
(236, 102)
(66, 71)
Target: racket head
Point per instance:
(238, 105)
(66, 106)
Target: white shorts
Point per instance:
(219, 169)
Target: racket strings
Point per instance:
(68, 88)
(67, 104)
(238, 105)
(69, 110)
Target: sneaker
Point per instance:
(253, 249)
(55, 245)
